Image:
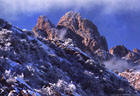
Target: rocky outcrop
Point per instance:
(132, 56)
(44, 27)
(133, 78)
(123, 53)
(84, 28)
(119, 51)
(34, 66)
(102, 55)
(82, 31)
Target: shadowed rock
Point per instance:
(82, 31)
(119, 51)
(4, 24)
(84, 28)
(44, 27)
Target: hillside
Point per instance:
(63, 60)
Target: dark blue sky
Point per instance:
(121, 27)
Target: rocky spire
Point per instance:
(82, 31)
(85, 29)
(44, 27)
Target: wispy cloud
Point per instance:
(14, 7)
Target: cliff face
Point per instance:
(44, 27)
(82, 31)
(84, 28)
(57, 61)
(85, 35)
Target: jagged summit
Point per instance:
(72, 14)
(82, 31)
(43, 27)
(74, 21)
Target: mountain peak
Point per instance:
(82, 31)
(72, 14)
(43, 27)
(85, 29)
(74, 21)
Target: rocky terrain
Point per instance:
(126, 54)
(63, 60)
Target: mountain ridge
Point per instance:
(44, 63)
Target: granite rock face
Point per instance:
(84, 28)
(84, 34)
(82, 31)
(44, 27)
(32, 65)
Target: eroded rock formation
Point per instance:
(119, 51)
(82, 31)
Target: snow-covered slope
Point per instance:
(34, 66)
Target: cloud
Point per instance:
(14, 7)
(120, 65)
(116, 64)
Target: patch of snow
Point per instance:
(66, 86)
(68, 42)
(90, 61)
(7, 72)
(21, 76)
(8, 44)
(88, 73)
(34, 93)
(25, 92)
(71, 86)
(23, 40)
(30, 68)
(11, 93)
(11, 80)
(24, 29)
